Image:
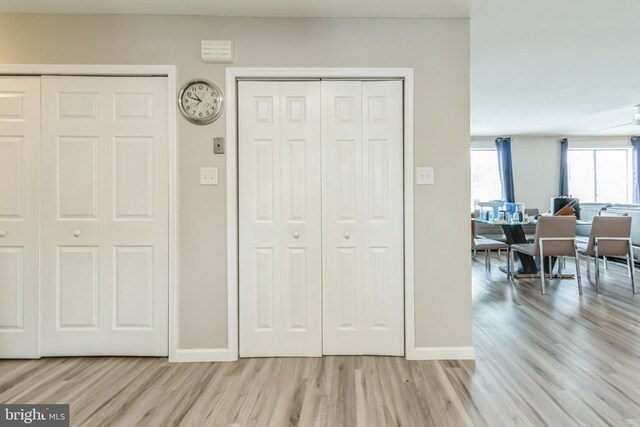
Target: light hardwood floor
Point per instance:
(557, 360)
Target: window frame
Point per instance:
(628, 166)
(492, 149)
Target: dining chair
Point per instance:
(607, 213)
(486, 245)
(610, 237)
(555, 237)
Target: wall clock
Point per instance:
(200, 101)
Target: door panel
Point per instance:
(345, 175)
(265, 178)
(342, 201)
(11, 154)
(363, 278)
(279, 218)
(348, 290)
(15, 91)
(78, 177)
(295, 289)
(265, 290)
(105, 216)
(78, 295)
(133, 178)
(78, 105)
(19, 215)
(133, 287)
(384, 261)
(11, 289)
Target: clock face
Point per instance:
(200, 101)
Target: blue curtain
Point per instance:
(564, 171)
(505, 165)
(635, 143)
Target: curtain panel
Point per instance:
(635, 143)
(564, 170)
(503, 146)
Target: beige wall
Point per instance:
(536, 170)
(437, 49)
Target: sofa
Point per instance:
(589, 210)
(634, 212)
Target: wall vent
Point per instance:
(217, 50)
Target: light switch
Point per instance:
(424, 176)
(208, 176)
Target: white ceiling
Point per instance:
(542, 67)
(554, 67)
(257, 8)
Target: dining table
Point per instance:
(526, 266)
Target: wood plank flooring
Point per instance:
(556, 360)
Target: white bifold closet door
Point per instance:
(362, 217)
(321, 218)
(19, 215)
(104, 216)
(280, 218)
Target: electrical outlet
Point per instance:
(208, 176)
(218, 145)
(424, 176)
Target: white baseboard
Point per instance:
(444, 353)
(420, 353)
(202, 355)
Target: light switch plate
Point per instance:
(424, 176)
(208, 176)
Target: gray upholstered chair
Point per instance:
(555, 237)
(610, 237)
(486, 245)
(604, 258)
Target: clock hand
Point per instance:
(195, 99)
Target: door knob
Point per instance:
(346, 234)
(296, 234)
(3, 233)
(76, 233)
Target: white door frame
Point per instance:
(168, 71)
(233, 74)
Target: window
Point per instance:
(599, 175)
(485, 176)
